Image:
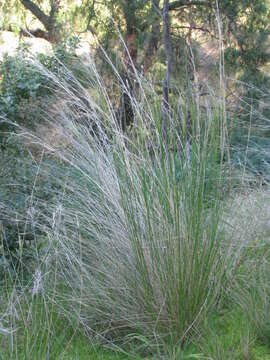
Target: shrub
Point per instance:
(26, 187)
(23, 86)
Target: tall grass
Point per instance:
(136, 234)
(135, 247)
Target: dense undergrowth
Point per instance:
(152, 248)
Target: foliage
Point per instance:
(26, 187)
(250, 131)
(23, 87)
(249, 20)
(19, 80)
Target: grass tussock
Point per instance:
(137, 231)
(134, 243)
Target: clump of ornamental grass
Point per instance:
(134, 245)
(136, 233)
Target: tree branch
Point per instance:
(180, 3)
(37, 12)
(90, 15)
(48, 21)
(55, 6)
(37, 33)
(198, 28)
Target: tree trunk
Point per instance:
(125, 112)
(165, 106)
(154, 37)
(48, 21)
(37, 12)
(131, 37)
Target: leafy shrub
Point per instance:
(26, 188)
(19, 80)
(22, 84)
